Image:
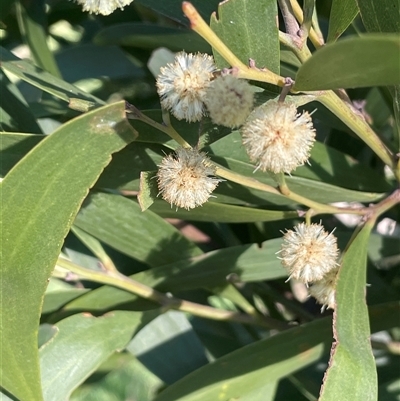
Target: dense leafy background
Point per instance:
(74, 192)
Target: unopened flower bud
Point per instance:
(229, 101)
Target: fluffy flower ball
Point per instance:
(185, 179)
(277, 138)
(229, 101)
(182, 85)
(324, 290)
(309, 252)
(103, 7)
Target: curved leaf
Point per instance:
(32, 20)
(120, 223)
(40, 197)
(169, 347)
(380, 17)
(315, 190)
(15, 113)
(26, 71)
(82, 343)
(219, 212)
(342, 15)
(352, 62)
(249, 29)
(151, 36)
(249, 368)
(173, 8)
(352, 368)
(13, 147)
(97, 62)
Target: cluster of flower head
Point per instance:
(276, 137)
(187, 89)
(310, 254)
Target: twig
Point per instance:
(134, 113)
(118, 280)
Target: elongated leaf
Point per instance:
(342, 14)
(93, 244)
(13, 147)
(308, 11)
(249, 368)
(352, 62)
(32, 21)
(41, 196)
(118, 383)
(396, 108)
(212, 211)
(82, 343)
(26, 71)
(120, 223)
(151, 36)
(15, 114)
(169, 347)
(249, 29)
(97, 62)
(46, 333)
(54, 300)
(173, 8)
(352, 368)
(382, 16)
(248, 262)
(318, 191)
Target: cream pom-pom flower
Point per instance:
(277, 138)
(309, 252)
(229, 101)
(182, 85)
(103, 7)
(324, 290)
(186, 178)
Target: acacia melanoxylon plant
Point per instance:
(191, 201)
